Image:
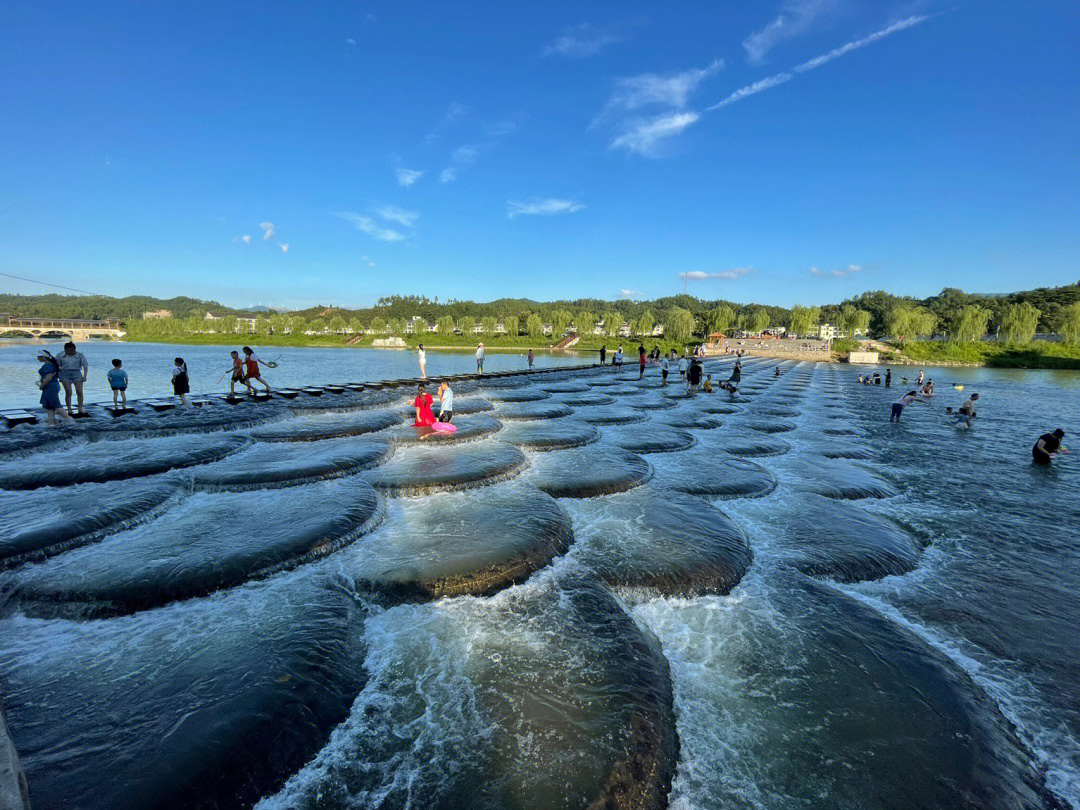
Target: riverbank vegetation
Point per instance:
(958, 322)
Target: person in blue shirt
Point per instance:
(49, 383)
(446, 399)
(118, 381)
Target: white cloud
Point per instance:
(284, 247)
(350, 41)
(818, 61)
(842, 272)
(367, 225)
(643, 135)
(246, 238)
(505, 126)
(370, 263)
(700, 275)
(406, 177)
(629, 293)
(268, 230)
(796, 18)
(453, 116)
(671, 90)
(542, 207)
(579, 41)
(399, 215)
(464, 155)
(449, 174)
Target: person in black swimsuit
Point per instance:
(1047, 445)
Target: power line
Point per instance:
(47, 284)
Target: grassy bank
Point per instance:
(1038, 354)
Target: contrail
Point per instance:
(818, 61)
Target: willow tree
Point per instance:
(759, 320)
(1069, 325)
(1019, 323)
(720, 318)
(487, 324)
(466, 324)
(923, 322)
(804, 320)
(899, 321)
(378, 325)
(862, 322)
(534, 325)
(560, 322)
(445, 325)
(679, 324)
(971, 323)
(613, 319)
(584, 322)
(512, 325)
(848, 314)
(644, 324)
(337, 325)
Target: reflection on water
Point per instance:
(599, 594)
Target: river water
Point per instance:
(604, 594)
(149, 366)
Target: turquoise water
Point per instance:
(782, 601)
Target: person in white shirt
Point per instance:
(421, 355)
(480, 358)
(664, 368)
(73, 372)
(446, 400)
(899, 405)
(682, 368)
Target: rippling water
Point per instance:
(149, 366)
(600, 593)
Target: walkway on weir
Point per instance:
(75, 329)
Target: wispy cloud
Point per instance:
(453, 117)
(670, 90)
(462, 156)
(406, 177)
(392, 213)
(796, 17)
(642, 133)
(268, 230)
(542, 207)
(366, 224)
(842, 272)
(370, 263)
(629, 293)
(246, 238)
(579, 41)
(701, 275)
(818, 61)
(505, 126)
(284, 247)
(350, 41)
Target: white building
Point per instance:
(828, 332)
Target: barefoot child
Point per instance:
(118, 381)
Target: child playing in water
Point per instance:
(118, 381)
(707, 387)
(237, 371)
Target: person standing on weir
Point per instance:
(603, 354)
(421, 355)
(73, 372)
(480, 358)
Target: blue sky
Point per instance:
(778, 151)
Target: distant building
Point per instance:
(828, 332)
(432, 327)
(157, 314)
(624, 330)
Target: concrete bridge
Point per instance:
(53, 327)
